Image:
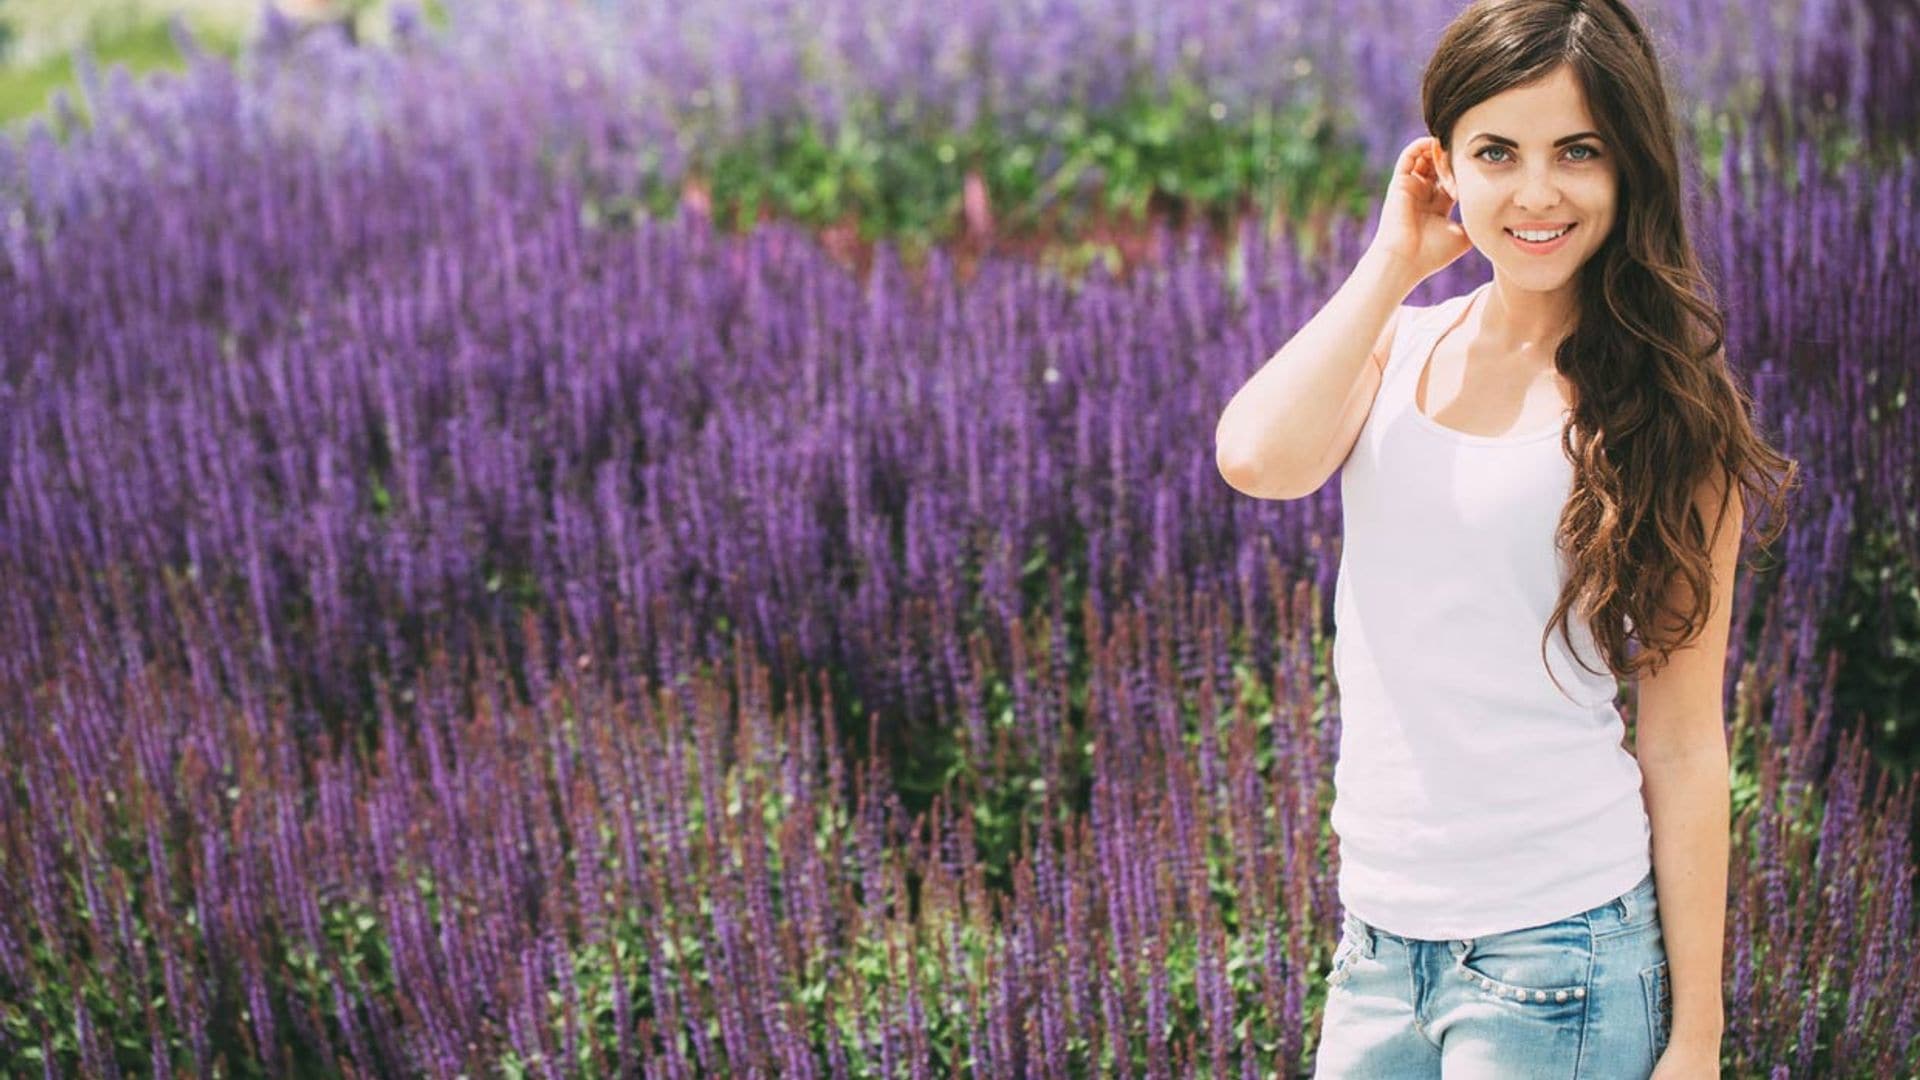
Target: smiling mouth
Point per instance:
(1564, 231)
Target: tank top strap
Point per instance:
(1419, 330)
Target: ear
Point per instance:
(1443, 170)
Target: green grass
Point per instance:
(27, 90)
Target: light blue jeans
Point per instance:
(1584, 997)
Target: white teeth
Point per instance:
(1537, 237)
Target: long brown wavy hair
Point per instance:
(1656, 409)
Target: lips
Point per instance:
(1543, 247)
(1541, 228)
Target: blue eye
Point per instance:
(1591, 152)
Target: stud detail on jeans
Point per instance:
(1508, 992)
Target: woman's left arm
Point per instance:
(1687, 802)
(1680, 741)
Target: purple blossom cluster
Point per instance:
(433, 621)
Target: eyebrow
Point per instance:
(1561, 141)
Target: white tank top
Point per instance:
(1471, 796)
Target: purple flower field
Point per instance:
(450, 633)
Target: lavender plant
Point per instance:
(449, 633)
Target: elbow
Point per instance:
(1232, 466)
(1237, 469)
(1257, 463)
(1245, 475)
(1229, 455)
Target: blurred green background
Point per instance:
(37, 37)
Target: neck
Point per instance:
(1518, 320)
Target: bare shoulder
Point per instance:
(1404, 315)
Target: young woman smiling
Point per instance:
(1533, 475)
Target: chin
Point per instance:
(1535, 280)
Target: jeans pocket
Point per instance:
(1343, 956)
(1659, 996)
(1543, 969)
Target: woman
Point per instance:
(1498, 844)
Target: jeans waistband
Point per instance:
(1629, 904)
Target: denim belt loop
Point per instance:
(1625, 902)
(1366, 937)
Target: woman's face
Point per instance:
(1501, 186)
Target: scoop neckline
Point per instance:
(1413, 391)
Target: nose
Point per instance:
(1537, 190)
(1536, 193)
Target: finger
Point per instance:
(1408, 156)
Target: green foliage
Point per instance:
(27, 90)
(147, 45)
(42, 1021)
(1875, 625)
(1177, 146)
